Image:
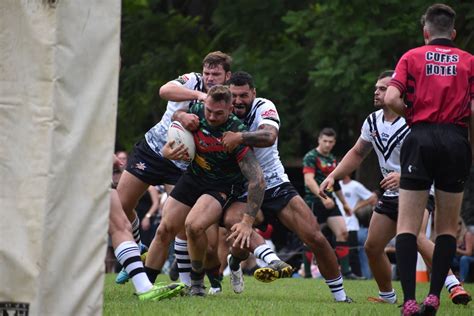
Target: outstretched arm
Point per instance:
(265, 136)
(348, 164)
(256, 188)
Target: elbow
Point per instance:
(163, 92)
(272, 139)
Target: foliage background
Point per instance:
(316, 60)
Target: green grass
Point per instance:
(282, 297)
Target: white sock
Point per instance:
(451, 282)
(183, 260)
(389, 297)
(337, 288)
(265, 253)
(136, 230)
(128, 255)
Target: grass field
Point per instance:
(282, 297)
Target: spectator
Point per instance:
(464, 256)
(358, 197)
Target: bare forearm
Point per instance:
(177, 115)
(256, 184)
(362, 204)
(174, 92)
(348, 164)
(311, 184)
(259, 138)
(256, 192)
(340, 196)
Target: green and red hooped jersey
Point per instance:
(212, 162)
(320, 165)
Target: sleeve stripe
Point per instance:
(397, 84)
(308, 170)
(269, 122)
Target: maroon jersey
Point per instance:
(438, 82)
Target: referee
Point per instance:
(437, 83)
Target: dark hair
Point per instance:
(220, 93)
(328, 131)
(439, 19)
(217, 58)
(385, 74)
(241, 78)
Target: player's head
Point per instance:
(381, 87)
(243, 92)
(216, 69)
(218, 105)
(438, 22)
(326, 140)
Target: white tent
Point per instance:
(59, 64)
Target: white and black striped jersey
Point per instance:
(156, 137)
(263, 111)
(386, 138)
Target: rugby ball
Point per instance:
(180, 135)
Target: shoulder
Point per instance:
(310, 154)
(373, 119)
(235, 124)
(197, 107)
(191, 80)
(266, 112)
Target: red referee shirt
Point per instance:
(438, 82)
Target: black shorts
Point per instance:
(322, 213)
(438, 153)
(275, 199)
(150, 167)
(388, 206)
(190, 187)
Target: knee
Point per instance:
(372, 249)
(121, 225)
(193, 230)
(165, 232)
(315, 239)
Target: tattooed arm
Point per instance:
(265, 136)
(256, 188)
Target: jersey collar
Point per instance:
(442, 42)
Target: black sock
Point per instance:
(214, 277)
(152, 274)
(197, 278)
(445, 249)
(234, 262)
(406, 251)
